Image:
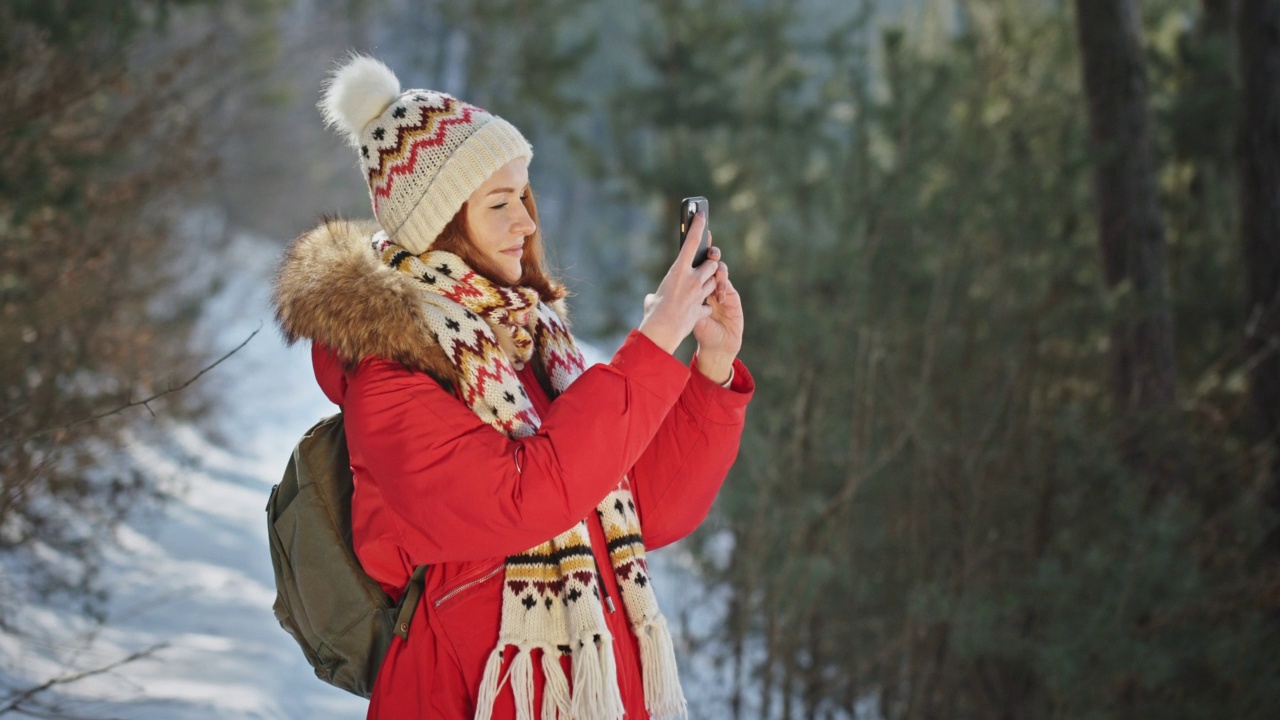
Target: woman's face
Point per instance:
(498, 221)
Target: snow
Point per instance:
(192, 585)
(194, 581)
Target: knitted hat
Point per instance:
(422, 152)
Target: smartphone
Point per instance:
(689, 207)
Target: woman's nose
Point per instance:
(523, 224)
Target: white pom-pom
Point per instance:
(356, 93)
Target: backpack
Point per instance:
(340, 616)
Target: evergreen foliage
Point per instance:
(102, 110)
(69, 23)
(930, 510)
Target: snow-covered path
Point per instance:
(194, 581)
(206, 558)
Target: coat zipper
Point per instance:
(604, 590)
(608, 599)
(466, 585)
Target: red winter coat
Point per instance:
(436, 485)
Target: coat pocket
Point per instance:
(468, 612)
(465, 582)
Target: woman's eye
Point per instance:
(499, 206)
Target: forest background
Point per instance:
(1011, 271)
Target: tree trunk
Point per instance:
(737, 641)
(1259, 47)
(1219, 16)
(1131, 231)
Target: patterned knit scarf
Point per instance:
(551, 598)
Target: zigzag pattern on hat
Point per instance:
(431, 132)
(422, 152)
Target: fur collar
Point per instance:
(332, 289)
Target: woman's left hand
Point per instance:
(719, 335)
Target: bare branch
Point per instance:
(17, 699)
(144, 402)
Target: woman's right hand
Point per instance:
(676, 306)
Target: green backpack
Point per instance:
(338, 614)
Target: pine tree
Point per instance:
(1259, 28)
(932, 513)
(103, 110)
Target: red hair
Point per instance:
(456, 238)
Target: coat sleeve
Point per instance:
(676, 479)
(461, 490)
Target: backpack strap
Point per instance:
(409, 601)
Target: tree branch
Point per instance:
(144, 402)
(17, 699)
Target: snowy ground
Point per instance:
(194, 584)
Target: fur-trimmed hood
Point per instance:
(332, 289)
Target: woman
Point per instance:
(481, 445)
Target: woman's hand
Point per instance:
(719, 334)
(671, 312)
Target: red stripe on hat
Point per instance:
(407, 166)
(406, 134)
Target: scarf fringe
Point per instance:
(522, 683)
(663, 696)
(490, 684)
(556, 700)
(596, 695)
(613, 707)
